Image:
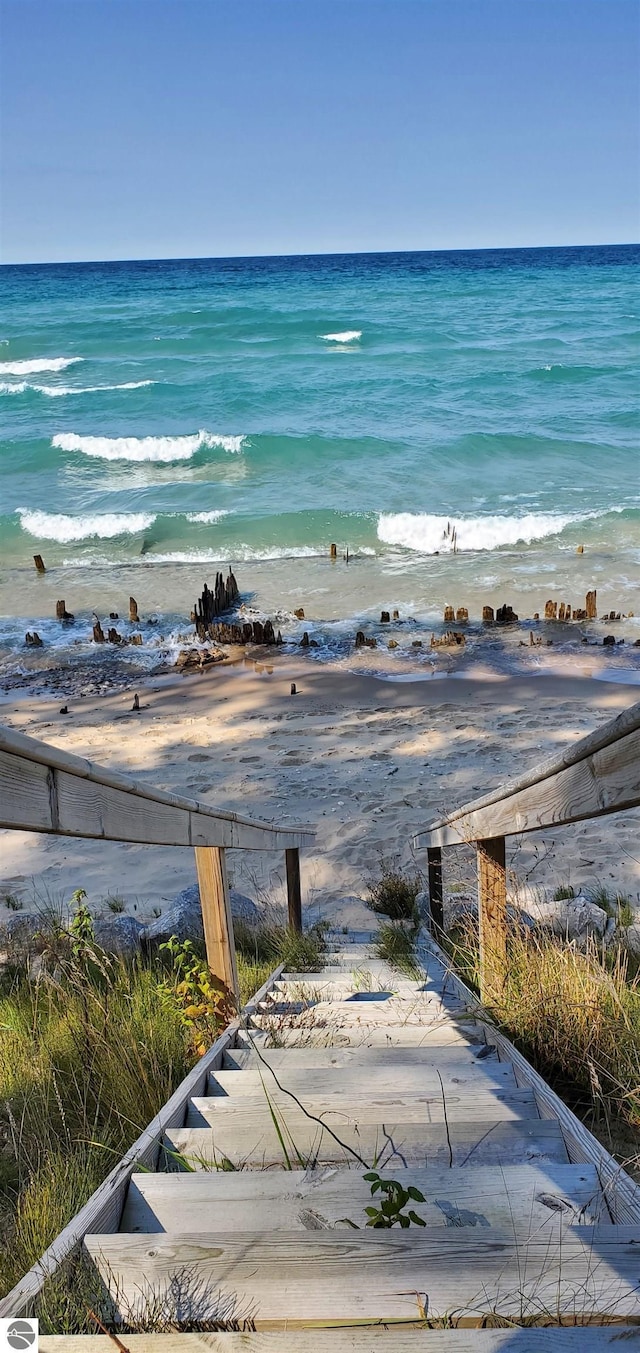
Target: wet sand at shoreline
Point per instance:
(365, 761)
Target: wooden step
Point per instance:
(525, 1197)
(336, 1034)
(392, 1339)
(480, 1143)
(299, 1277)
(452, 1059)
(422, 1010)
(360, 1080)
(458, 1104)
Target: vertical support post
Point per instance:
(492, 916)
(294, 894)
(216, 914)
(434, 873)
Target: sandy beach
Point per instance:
(365, 761)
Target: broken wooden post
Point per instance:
(39, 563)
(462, 615)
(590, 606)
(294, 894)
(385, 617)
(551, 610)
(488, 615)
(434, 874)
(580, 549)
(134, 618)
(333, 551)
(98, 633)
(216, 914)
(61, 611)
(492, 916)
(449, 615)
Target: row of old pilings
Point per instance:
(211, 604)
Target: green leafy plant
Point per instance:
(116, 905)
(81, 927)
(393, 1199)
(565, 893)
(13, 902)
(206, 1005)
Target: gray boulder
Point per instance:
(184, 917)
(118, 934)
(18, 933)
(631, 938)
(463, 907)
(573, 918)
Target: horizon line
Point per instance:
(331, 253)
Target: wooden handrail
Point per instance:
(44, 789)
(599, 774)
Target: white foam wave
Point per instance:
(428, 534)
(159, 449)
(347, 336)
(36, 364)
(64, 529)
(208, 517)
(245, 554)
(55, 391)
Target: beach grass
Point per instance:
(574, 1011)
(90, 1050)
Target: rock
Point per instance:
(573, 918)
(299, 614)
(184, 917)
(18, 933)
(631, 938)
(393, 643)
(118, 934)
(463, 907)
(384, 618)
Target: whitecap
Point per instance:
(36, 364)
(208, 517)
(56, 391)
(147, 448)
(105, 525)
(348, 336)
(428, 534)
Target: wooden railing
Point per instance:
(43, 789)
(600, 774)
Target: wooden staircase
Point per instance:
(257, 1212)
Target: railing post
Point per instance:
(216, 914)
(294, 895)
(434, 873)
(492, 916)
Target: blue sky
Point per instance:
(176, 128)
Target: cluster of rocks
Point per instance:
(576, 918)
(198, 659)
(20, 931)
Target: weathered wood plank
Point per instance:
(354, 1080)
(336, 1034)
(505, 1196)
(294, 891)
(45, 789)
(609, 734)
(340, 1276)
(103, 1209)
(377, 1338)
(455, 1104)
(608, 781)
(451, 1059)
(523, 1141)
(216, 915)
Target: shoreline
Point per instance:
(366, 760)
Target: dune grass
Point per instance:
(89, 1052)
(575, 1014)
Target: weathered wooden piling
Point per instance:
(134, 618)
(591, 605)
(61, 611)
(214, 603)
(333, 551)
(488, 615)
(39, 563)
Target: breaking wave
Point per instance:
(348, 336)
(104, 525)
(208, 517)
(36, 364)
(160, 449)
(55, 391)
(429, 534)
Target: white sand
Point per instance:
(365, 761)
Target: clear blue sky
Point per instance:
(175, 128)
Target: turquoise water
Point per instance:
(160, 417)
